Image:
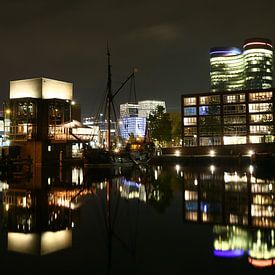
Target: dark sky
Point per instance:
(168, 41)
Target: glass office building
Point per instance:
(226, 69)
(258, 60)
(232, 69)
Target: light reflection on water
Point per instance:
(149, 215)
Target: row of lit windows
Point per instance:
(228, 109)
(235, 98)
(227, 140)
(228, 120)
(232, 129)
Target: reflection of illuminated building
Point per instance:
(201, 203)
(262, 248)
(35, 225)
(232, 241)
(245, 225)
(239, 199)
(132, 190)
(39, 243)
(229, 241)
(262, 204)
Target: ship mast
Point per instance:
(109, 100)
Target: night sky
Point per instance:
(168, 41)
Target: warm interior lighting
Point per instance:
(212, 153)
(250, 153)
(177, 153)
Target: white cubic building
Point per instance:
(148, 106)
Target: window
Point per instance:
(234, 109)
(240, 119)
(227, 140)
(260, 107)
(207, 141)
(190, 101)
(209, 110)
(261, 118)
(235, 130)
(261, 129)
(261, 96)
(190, 142)
(189, 121)
(210, 99)
(236, 98)
(190, 131)
(190, 111)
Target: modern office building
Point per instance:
(132, 126)
(133, 117)
(227, 69)
(228, 118)
(232, 69)
(147, 106)
(258, 61)
(129, 110)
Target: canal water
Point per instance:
(138, 220)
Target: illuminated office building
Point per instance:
(148, 106)
(227, 69)
(133, 117)
(228, 118)
(258, 60)
(232, 69)
(129, 110)
(135, 126)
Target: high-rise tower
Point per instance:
(258, 60)
(226, 69)
(232, 69)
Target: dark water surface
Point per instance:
(143, 220)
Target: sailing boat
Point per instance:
(105, 156)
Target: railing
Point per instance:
(57, 133)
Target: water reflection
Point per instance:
(115, 212)
(241, 208)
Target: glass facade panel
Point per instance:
(208, 141)
(190, 131)
(261, 129)
(189, 101)
(260, 107)
(235, 130)
(234, 109)
(189, 121)
(211, 99)
(190, 111)
(261, 118)
(227, 140)
(209, 110)
(190, 141)
(260, 96)
(240, 119)
(256, 139)
(234, 98)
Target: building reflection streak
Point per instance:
(241, 208)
